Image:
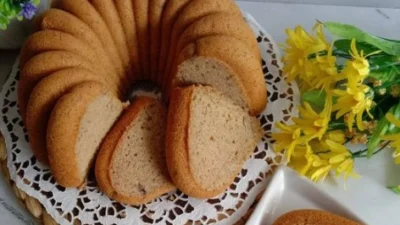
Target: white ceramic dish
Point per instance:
(288, 191)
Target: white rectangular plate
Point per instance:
(288, 191)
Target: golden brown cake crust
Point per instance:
(127, 16)
(171, 12)
(41, 66)
(53, 40)
(109, 13)
(88, 14)
(42, 100)
(220, 23)
(55, 19)
(63, 131)
(104, 158)
(141, 9)
(312, 217)
(155, 15)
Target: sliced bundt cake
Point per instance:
(79, 66)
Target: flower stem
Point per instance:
(340, 53)
(360, 154)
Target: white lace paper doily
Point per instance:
(90, 206)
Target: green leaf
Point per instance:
(349, 32)
(7, 7)
(373, 142)
(387, 39)
(395, 110)
(384, 127)
(385, 74)
(383, 61)
(3, 26)
(316, 98)
(344, 46)
(395, 189)
(4, 20)
(36, 2)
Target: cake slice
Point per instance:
(208, 140)
(226, 63)
(131, 167)
(78, 124)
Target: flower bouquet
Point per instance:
(19, 9)
(350, 90)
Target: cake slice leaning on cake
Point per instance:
(209, 138)
(78, 124)
(131, 167)
(193, 11)
(226, 63)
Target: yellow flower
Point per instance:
(299, 46)
(325, 70)
(394, 138)
(301, 159)
(341, 159)
(357, 69)
(319, 146)
(337, 136)
(354, 102)
(288, 139)
(305, 162)
(319, 169)
(331, 155)
(313, 124)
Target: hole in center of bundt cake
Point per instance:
(144, 88)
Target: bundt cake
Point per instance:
(77, 71)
